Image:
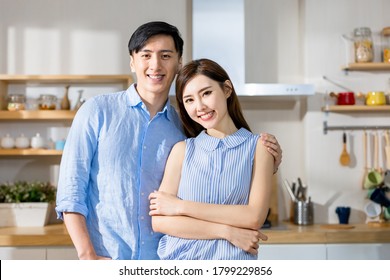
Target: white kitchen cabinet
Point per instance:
(61, 253)
(369, 251)
(38, 253)
(22, 253)
(376, 251)
(292, 252)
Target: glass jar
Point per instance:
(364, 51)
(47, 102)
(16, 102)
(386, 44)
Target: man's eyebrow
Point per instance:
(160, 51)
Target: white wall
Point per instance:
(79, 37)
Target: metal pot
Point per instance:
(344, 98)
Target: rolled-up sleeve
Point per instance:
(75, 168)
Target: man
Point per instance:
(116, 152)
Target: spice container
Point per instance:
(364, 51)
(386, 44)
(47, 102)
(16, 102)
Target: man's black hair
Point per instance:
(147, 30)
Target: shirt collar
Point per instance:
(136, 101)
(210, 143)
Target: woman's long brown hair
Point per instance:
(214, 71)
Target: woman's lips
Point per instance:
(207, 116)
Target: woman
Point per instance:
(221, 175)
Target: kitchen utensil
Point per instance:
(365, 171)
(344, 157)
(386, 178)
(373, 179)
(387, 149)
(346, 98)
(336, 84)
(300, 190)
(289, 190)
(376, 154)
(293, 188)
(375, 98)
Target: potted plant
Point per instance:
(25, 203)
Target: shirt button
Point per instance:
(142, 217)
(142, 243)
(142, 193)
(144, 147)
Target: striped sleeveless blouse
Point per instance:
(216, 171)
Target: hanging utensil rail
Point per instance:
(357, 127)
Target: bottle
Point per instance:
(65, 103)
(364, 51)
(386, 44)
(80, 100)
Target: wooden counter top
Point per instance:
(51, 235)
(56, 235)
(288, 233)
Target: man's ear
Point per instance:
(228, 88)
(180, 64)
(132, 67)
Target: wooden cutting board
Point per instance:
(337, 226)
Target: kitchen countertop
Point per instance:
(287, 233)
(284, 233)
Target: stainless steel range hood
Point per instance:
(231, 33)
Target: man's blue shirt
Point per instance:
(114, 157)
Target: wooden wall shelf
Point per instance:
(30, 152)
(72, 79)
(357, 108)
(49, 115)
(369, 66)
(6, 80)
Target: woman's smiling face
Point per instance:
(205, 102)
